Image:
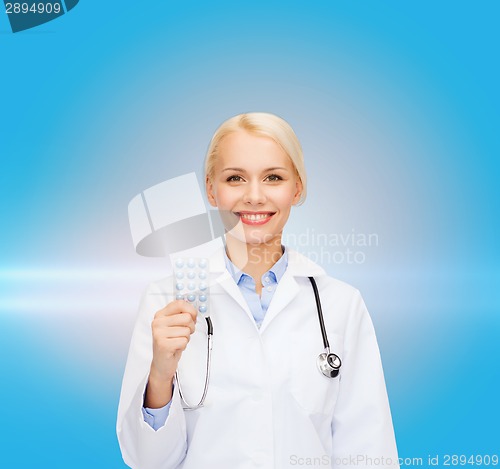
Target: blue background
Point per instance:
(397, 107)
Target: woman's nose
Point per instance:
(254, 194)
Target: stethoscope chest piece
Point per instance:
(329, 364)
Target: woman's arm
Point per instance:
(142, 447)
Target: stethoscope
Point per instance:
(328, 363)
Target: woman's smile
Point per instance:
(255, 218)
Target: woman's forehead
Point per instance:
(242, 149)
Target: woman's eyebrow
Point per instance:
(275, 168)
(241, 170)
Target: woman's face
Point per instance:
(254, 187)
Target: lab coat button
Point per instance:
(269, 288)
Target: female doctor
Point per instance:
(268, 404)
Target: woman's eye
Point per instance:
(274, 177)
(233, 178)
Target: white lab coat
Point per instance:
(267, 406)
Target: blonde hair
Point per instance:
(262, 124)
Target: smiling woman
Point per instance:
(254, 184)
(271, 400)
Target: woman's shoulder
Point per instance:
(303, 266)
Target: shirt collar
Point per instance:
(277, 269)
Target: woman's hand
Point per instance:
(172, 327)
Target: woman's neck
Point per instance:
(253, 259)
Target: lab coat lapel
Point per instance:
(285, 292)
(223, 283)
(288, 287)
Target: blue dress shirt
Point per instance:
(258, 305)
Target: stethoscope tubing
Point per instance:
(320, 313)
(187, 406)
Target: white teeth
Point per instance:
(259, 216)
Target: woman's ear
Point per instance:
(298, 191)
(209, 187)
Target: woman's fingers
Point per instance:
(177, 307)
(172, 327)
(176, 320)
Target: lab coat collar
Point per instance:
(287, 289)
(301, 266)
(298, 264)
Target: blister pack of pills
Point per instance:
(191, 279)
